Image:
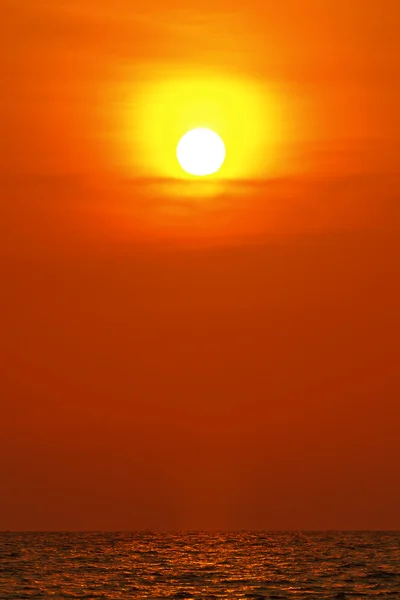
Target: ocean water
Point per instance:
(252, 565)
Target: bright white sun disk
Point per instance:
(201, 152)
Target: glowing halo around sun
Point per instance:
(201, 152)
(160, 107)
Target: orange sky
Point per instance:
(176, 359)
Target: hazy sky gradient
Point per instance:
(170, 362)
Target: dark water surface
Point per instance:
(253, 565)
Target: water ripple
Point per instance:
(200, 565)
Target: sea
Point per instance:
(200, 565)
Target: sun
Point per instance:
(201, 152)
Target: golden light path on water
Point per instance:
(201, 565)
